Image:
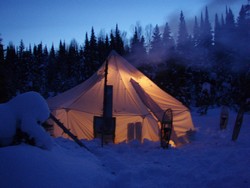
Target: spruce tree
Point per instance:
(101, 49)
(196, 33)
(118, 44)
(217, 30)
(11, 69)
(243, 33)
(229, 30)
(112, 41)
(87, 58)
(23, 70)
(183, 38)
(157, 50)
(167, 42)
(134, 42)
(52, 72)
(205, 40)
(93, 52)
(1, 52)
(107, 44)
(62, 65)
(137, 53)
(3, 78)
(73, 64)
(206, 32)
(39, 70)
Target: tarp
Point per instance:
(136, 100)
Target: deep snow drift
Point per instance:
(211, 160)
(25, 113)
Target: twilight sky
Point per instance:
(48, 21)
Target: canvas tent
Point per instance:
(132, 93)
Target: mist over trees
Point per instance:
(216, 55)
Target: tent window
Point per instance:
(134, 131)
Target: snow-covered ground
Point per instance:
(211, 160)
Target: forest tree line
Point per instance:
(217, 55)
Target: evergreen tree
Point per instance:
(230, 22)
(205, 40)
(196, 53)
(229, 30)
(20, 50)
(62, 67)
(201, 22)
(196, 33)
(119, 44)
(11, 57)
(52, 71)
(1, 52)
(217, 30)
(206, 32)
(23, 69)
(28, 71)
(11, 70)
(167, 42)
(142, 48)
(134, 42)
(228, 39)
(148, 36)
(39, 70)
(3, 76)
(74, 65)
(103, 48)
(112, 41)
(86, 47)
(243, 33)
(116, 42)
(183, 38)
(157, 49)
(137, 53)
(93, 52)
(107, 44)
(88, 69)
(91, 59)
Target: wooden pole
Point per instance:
(105, 100)
(60, 124)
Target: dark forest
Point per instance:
(208, 66)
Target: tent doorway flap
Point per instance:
(104, 128)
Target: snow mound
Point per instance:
(25, 112)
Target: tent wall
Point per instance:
(81, 124)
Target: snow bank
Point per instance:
(25, 112)
(211, 160)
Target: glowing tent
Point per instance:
(134, 118)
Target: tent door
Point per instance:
(105, 126)
(134, 131)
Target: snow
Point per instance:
(210, 160)
(25, 112)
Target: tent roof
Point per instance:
(88, 96)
